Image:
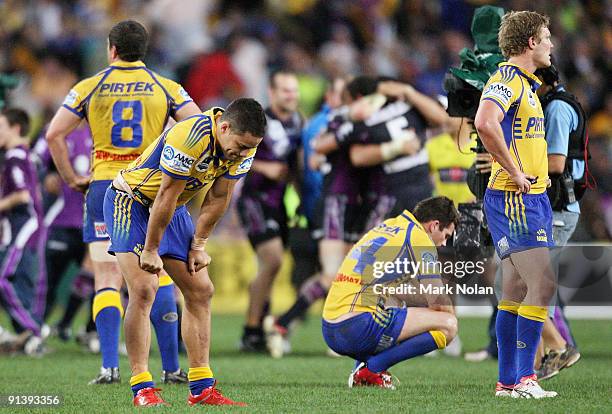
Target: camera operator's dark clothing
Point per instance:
(406, 178)
(561, 120)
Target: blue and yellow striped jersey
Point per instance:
(127, 107)
(381, 258)
(513, 89)
(187, 151)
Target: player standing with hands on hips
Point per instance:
(510, 123)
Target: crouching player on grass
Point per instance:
(150, 229)
(358, 320)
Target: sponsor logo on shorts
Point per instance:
(500, 92)
(170, 317)
(71, 98)
(503, 244)
(521, 344)
(100, 229)
(541, 236)
(176, 160)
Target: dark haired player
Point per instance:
(127, 107)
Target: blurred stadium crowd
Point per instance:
(220, 50)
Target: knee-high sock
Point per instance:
(199, 379)
(107, 312)
(165, 322)
(140, 381)
(505, 328)
(528, 332)
(310, 292)
(410, 348)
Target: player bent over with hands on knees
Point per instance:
(151, 230)
(510, 122)
(357, 319)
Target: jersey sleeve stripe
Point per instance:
(233, 177)
(498, 104)
(83, 103)
(181, 105)
(172, 174)
(74, 111)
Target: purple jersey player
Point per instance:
(65, 216)
(260, 205)
(22, 281)
(391, 141)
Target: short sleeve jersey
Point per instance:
(400, 239)
(280, 143)
(513, 89)
(127, 107)
(18, 173)
(187, 151)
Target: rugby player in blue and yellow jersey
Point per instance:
(510, 123)
(359, 317)
(126, 106)
(150, 229)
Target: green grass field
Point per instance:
(308, 381)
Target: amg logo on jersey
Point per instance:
(177, 160)
(119, 87)
(499, 92)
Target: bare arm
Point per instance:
(189, 109)
(214, 206)
(62, 124)
(431, 110)
(14, 199)
(162, 210)
(273, 170)
(325, 143)
(556, 163)
(367, 155)
(488, 124)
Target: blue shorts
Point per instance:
(363, 335)
(94, 227)
(518, 222)
(127, 221)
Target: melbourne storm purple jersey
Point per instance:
(67, 210)
(19, 173)
(340, 175)
(405, 177)
(281, 142)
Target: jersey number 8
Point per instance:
(133, 123)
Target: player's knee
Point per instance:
(273, 264)
(199, 293)
(449, 327)
(143, 293)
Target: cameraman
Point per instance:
(565, 126)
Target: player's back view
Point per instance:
(127, 106)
